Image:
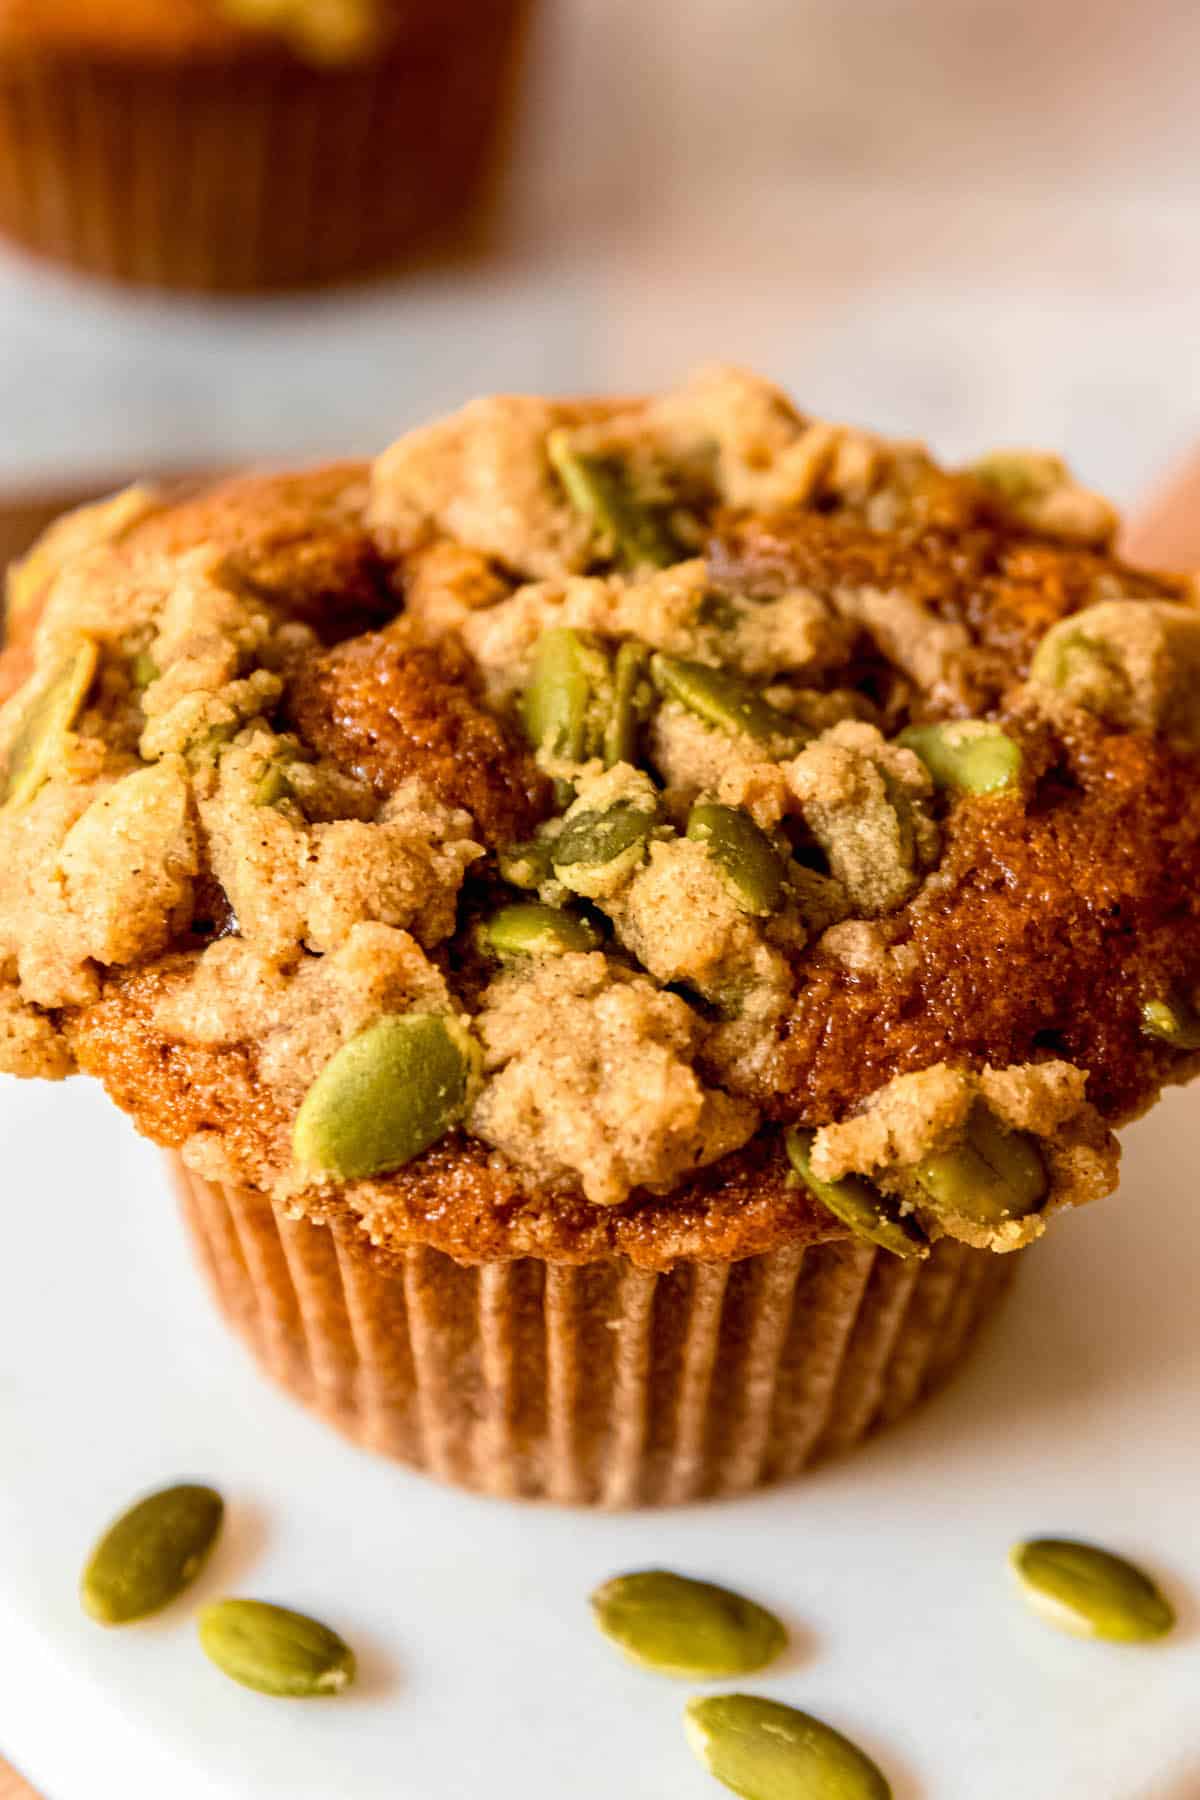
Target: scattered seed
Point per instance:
(1090, 1592)
(676, 1626)
(151, 1553)
(274, 1650)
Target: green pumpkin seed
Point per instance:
(144, 669)
(1089, 1591)
(676, 1626)
(151, 1553)
(530, 929)
(1174, 1022)
(599, 487)
(743, 852)
(765, 1751)
(993, 1175)
(273, 785)
(868, 1213)
(568, 700)
(725, 701)
(975, 757)
(386, 1095)
(1017, 475)
(526, 865)
(274, 1650)
(629, 703)
(1071, 656)
(593, 839)
(44, 724)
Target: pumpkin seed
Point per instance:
(993, 1175)
(868, 1213)
(743, 852)
(151, 1553)
(386, 1095)
(1018, 475)
(595, 838)
(725, 701)
(1089, 1591)
(765, 1751)
(971, 755)
(274, 1650)
(628, 703)
(1173, 1021)
(47, 718)
(676, 1626)
(527, 864)
(569, 696)
(1071, 656)
(530, 929)
(144, 670)
(599, 487)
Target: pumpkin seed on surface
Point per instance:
(763, 1750)
(1091, 1592)
(568, 695)
(596, 838)
(47, 718)
(149, 1555)
(724, 701)
(526, 864)
(867, 1212)
(993, 1175)
(743, 851)
(972, 756)
(1173, 1022)
(144, 670)
(530, 929)
(385, 1096)
(676, 1626)
(274, 1650)
(599, 487)
(630, 673)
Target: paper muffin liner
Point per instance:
(255, 171)
(598, 1384)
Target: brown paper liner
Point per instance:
(254, 171)
(600, 1384)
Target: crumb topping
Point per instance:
(639, 682)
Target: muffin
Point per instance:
(246, 144)
(625, 916)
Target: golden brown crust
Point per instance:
(296, 538)
(967, 567)
(389, 709)
(459, 1197)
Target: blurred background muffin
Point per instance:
(246, 144)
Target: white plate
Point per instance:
(482, 1675)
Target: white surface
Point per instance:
(481, 1671)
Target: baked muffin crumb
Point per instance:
(318, 741)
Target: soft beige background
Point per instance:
(975, 219)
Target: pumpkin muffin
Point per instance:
(246, 144)
(624, 915)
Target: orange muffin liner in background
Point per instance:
(599, 1384)
(251, 169)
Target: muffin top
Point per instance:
(676, 827)
(320, 30)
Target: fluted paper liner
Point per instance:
(256, 171)
(595, 1384)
